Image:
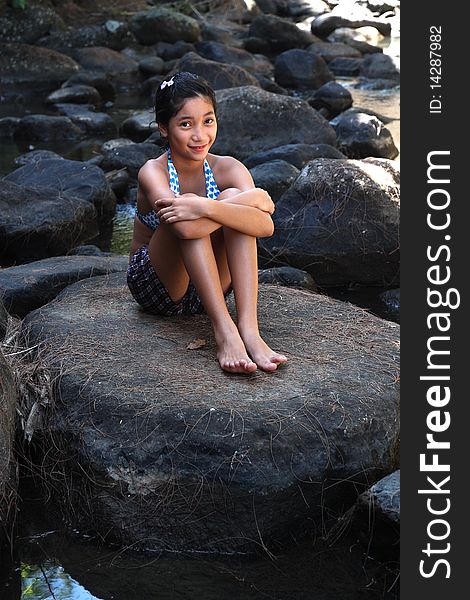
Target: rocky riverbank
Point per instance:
(178, 457)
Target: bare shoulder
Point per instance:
(230, 172)
(151, 170)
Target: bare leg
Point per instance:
(243, 263)
(200, 262)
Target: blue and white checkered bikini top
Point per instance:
(150, 218)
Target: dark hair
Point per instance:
(172, 93)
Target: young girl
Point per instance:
(189, 251)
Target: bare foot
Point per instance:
(261, 353)
(232, 354)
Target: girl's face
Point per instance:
(192, 131)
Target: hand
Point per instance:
(186, 207)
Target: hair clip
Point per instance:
(165, 84)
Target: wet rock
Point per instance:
(23, 63)
(89, 121)
(345, 67)
(116, 143)
(380, 66)
(130, 432)
(34, 156)
(28, 25)
(325, 24)
(164, 25)
(37, 223)
(71, 178)
(328, 51)
(361, 135)
(301, 69)
(332, 97)
(47, 128)
(8, 466)
(364, 47)
(94, 79)
(131, 157)
(256, 45)
(122, 70)
(235, 56)
(76, 94)
(118, 181)
(281, 34)
(287, 276)
(219, 75)
(295, 154)
(275, 176)
(139, 126)
(340, 222)
(251, 120)
(26, 287)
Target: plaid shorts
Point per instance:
(152, 295)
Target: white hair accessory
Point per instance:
(165, 84)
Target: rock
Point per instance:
(89, 121)
(275, 176)
(173, 51)
(139, 126)
(391, 300)
(131, 432)
(71, 178)
(281, 34)
(47, 128)
(251, 120)
(8, 126)
(114, 37)
(219, 75)
(8, 466)
(115, 143)
(325, 24)
(340, 222)
(152, 65)
(222, 30)
(333, 97)
(300, 8)
(287, 276)
(88, 250)
(328, 51)
(270, 85)
(105, 60)
(3, 320)
(76, 94)
(301, 69)
(94, 79)
(363, 47)
(380, 66)
(377, 516)
(234, 56)
(345, 67)
(27, 287)
(36, 155)
(119, 182)
(28, 25)
(131, 157)
(164, 25)
(37, 223)
(26, 64)
(295, 154)
(361, 135)
(256, 45)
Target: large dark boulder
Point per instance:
(26, 287)
(234, 56)
(295, 154)
(26, 64)
(37, 223)
(301, 69)
(76, 94)
(70, 178)
(99, 80)
(329, 50)
(340, 222)
(325, 24)
(138, 126)
(251, 120)
(275, 176)
(219, 75)
(164, 25)
(84, 116)
(281, 34)
(97, 58)
(161, 449)
(130, 157)
(361, 135)
(380, 66)
(45, 128)
(331, 98)
(111, 34)
(28, 25)
(8, 467)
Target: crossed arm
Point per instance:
(242, 207)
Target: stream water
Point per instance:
(49, 562)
